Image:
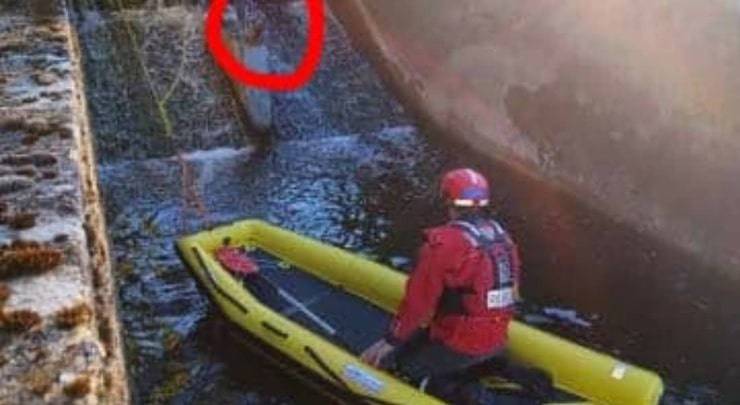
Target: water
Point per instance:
(317, 179)
(301, 185)
(347, 166)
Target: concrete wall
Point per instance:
(632, 106)
(59, 335)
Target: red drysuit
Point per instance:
(464, 284)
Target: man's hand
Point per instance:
(374, 354)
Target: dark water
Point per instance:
(325, 175)
(349, 167)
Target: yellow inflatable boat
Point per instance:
(587, 376)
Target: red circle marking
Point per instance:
(248, 77)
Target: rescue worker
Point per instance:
(463, 287)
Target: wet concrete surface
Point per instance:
(59, 341)
(347, 166)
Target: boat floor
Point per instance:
(358, 323)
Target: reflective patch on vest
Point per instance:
(364, 379)
(499, 299)
(503, 265)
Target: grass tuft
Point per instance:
(20, 320)
(71, 317)
(79, 387)
(24, 258)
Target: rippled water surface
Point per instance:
(346, 166)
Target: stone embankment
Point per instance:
(59, 335)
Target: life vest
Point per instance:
(493, 242)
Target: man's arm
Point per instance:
(423, 290)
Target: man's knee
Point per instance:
(457, 389)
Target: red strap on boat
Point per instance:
(236, 260)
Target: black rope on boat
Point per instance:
(325, 368)
(274, 330)
(218, 288)
(339, 381)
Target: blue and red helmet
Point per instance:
(465, 188)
